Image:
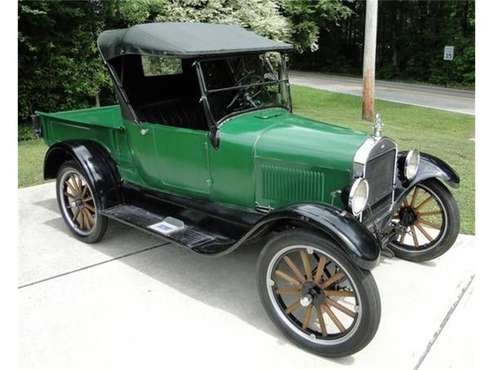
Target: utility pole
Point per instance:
(368, 109)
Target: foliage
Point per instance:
(59, 67)
(261, 16)
(25, 132)
(309, 16)
(410, 41)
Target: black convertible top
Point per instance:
(184, 40)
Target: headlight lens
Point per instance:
(358, 196)
(412, 164)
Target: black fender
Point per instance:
(95, 160)
(359, 244)
(430, 167)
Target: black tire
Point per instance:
(92, 234)
(367, 319)
(448, 233)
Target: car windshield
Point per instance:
(242, 83)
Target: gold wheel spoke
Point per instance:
(422, 204)
(321, 321)
(83, 219)
(84, 191)
(307, 265)
(423, 231)
(415, 238)
(91, 208)
(90, 220)
(338, 293)
(320, 269)
(293, 307)
(439, 212)
(67, 194)
(78, 182)
(334, 318)
(72, 189)
(340, 307)
(413, 199)
(336, 277)
(288, 290)
(307, 316)
(76, 213)
(294, 268)
(430, 224)
(286, 277)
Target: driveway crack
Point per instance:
(444, 322)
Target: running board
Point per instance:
(168, 227)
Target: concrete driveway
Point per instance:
(453, 100)
(132, 301)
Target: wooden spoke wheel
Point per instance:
(426, 220)
(78, 204)
(316, 296)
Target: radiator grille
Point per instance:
(380, 176)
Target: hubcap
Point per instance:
(313, 294)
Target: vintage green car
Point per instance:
(204, 151)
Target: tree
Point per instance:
(59, 66)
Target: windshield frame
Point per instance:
(205, 92)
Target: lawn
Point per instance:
(446, 135)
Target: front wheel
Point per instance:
(427, 221)
(316, 296)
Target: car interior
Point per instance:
(164, 93)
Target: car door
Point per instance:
(169, 159)
(144, 169)
(183, 160)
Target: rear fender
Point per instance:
(95, 160)
(354, 239)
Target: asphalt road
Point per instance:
(133, 301)
(453, 100)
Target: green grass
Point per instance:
(30, 162)
(443, 134)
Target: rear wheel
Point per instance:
(79, 207)
(316, 296)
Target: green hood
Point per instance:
(295, 158)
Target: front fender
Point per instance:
(94, 160)
(430, 167)
(346, 231)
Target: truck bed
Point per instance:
(108, 116)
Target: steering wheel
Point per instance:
(247, 93)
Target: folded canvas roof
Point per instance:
(184, 40)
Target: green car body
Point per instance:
(268, 158)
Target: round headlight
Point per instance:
(358, 196)
(412, 164)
